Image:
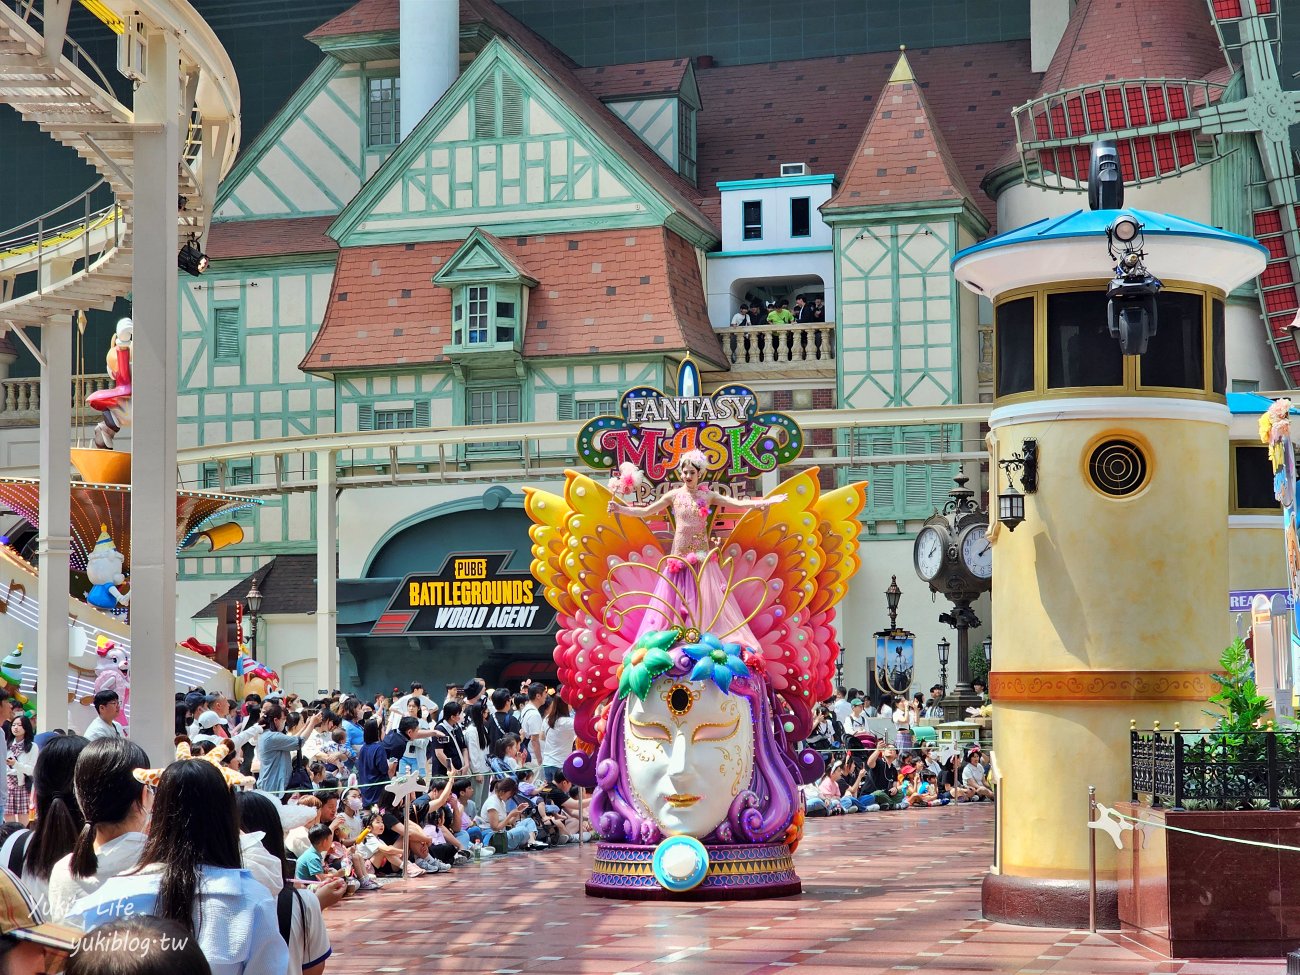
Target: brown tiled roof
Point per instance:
(757, 116)
(1118, 39)
(287, 584)
(902, 157)
(613, 81)
(365, 17)
(270, 238)
(609, 291)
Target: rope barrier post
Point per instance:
(1092, 860)
(406, 838)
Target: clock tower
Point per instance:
(954, 557)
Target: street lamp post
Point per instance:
(944, 648)
(254, 601)
(892, 595)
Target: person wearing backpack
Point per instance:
(298, 909)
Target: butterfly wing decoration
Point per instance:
(577, 543)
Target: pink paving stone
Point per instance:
(542, 922)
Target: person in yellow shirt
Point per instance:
(781, 314)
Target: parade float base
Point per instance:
(747, 872)
(1197, 897)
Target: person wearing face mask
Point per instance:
(115, 805)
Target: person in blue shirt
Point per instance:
(191, 872)
(352, 724)
(373, 765)
(311, 862)
(275, 749)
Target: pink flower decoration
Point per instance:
(693, 558)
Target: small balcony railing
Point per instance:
(20, 399)
(780, 350)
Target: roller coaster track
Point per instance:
(79, 256)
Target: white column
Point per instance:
(153, 462)
(54, 541)
(429, 37)
(327, 543)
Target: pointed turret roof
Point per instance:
(902, 157)
(1107, 40)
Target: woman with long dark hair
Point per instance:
(58, 816)
(191, 872)
(115, 805)
(477, 743)
(557, 737)
(309, 942)
(19, 735)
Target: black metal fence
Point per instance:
(1216, 769)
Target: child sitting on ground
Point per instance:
(311, 862)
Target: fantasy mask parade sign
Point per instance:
(656, 429)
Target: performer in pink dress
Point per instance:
(693, 585)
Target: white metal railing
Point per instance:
(76, 55)
(71, 231)
(536, 450)
(778, 347)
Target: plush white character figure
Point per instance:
(104, 569)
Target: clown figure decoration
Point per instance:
(104, 570)
(692, 672)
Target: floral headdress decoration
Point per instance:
(236, 780)
(652, 655)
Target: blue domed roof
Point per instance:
(1073, 248)
(1093, 223)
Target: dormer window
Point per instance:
(489, 297)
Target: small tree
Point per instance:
(1241, 705)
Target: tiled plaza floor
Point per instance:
(882, 893)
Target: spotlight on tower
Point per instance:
(191, 258)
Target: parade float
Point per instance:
(691, 648)
(99, 602)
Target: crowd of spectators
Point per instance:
(806, 310)
(888, 758)
(275, 809)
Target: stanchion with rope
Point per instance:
(1092, 860)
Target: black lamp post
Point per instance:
(892, 595)
(944, 648)
(254, 603)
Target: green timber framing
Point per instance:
(898, 342)
(312, 158)
(258, 395)
(453, 175)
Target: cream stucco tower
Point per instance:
(1108, 598)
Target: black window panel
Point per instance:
(1080, 351)
(1254, 478)
(752, 219)
(1015, 346)
(1218, 350)
(800, 217)
(1175, 355)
